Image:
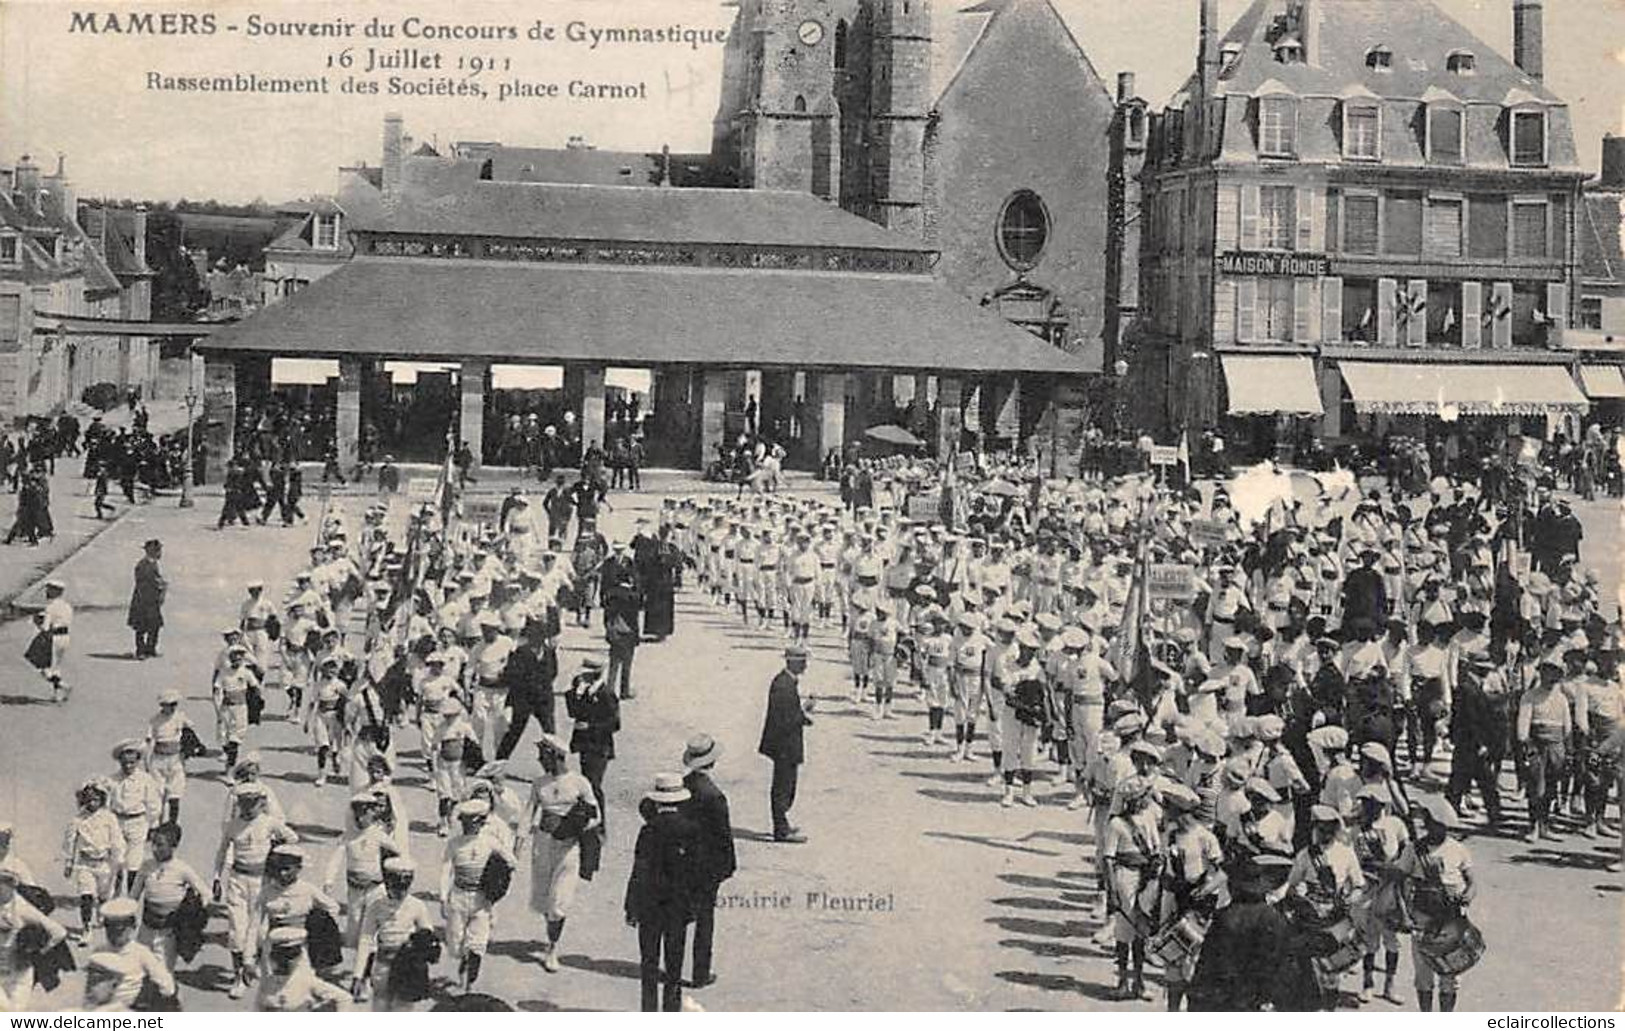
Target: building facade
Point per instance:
(1356, 210)
(63, 259)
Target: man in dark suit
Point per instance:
(787, 716)
(146, 613)
(592, 704)
(709, 807)
(1365, 596)
(529, 676)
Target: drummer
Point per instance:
(1327, 877)
(1189, 881)
(1379, 842)
(1442, 869)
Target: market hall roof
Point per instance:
(559, 211)
(543, 313)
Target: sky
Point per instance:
(86, 95)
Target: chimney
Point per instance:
(1529, 38)
(138, 234)
(28, 184)
(394, 145)
(93, 219)
(1613, 163)
(1309, 31)
(61, 191)
(665, 164)
(1207, 49)
(1125, 87)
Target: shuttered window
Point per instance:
(1487, 226)
(1444, 227)
(1275, 308)
(1333, 214)
(1277, 217)
(1529, 230)
(1403, 224)
(1360, 234)
(1444, 135)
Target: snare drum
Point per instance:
(1336, 946)
(1179, 941)
(1454, 948)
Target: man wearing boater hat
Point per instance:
(709, 807)
(787, 717)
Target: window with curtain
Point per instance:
(1443, 235)
(1487, 226)
(1362, 132)
(1529, 230)
(1360, 235)
(1404, 224)
(1278, 127)
(1528, 138)
(1277, 217)
(1445, 135)
(1275, 308)
(1360, 310)
(1444, 313)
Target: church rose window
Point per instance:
(1023, 230)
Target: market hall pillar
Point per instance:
(949, 421)
(826, 405)
(592, 406)
(219, 414)
(471, 377)
(713, 413)
(347, 417)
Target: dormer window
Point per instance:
(1462, 62)
(1278, 126)
(10, 253)
(326, 235)
(1362, 130)
(1228, 54)
(1289, 51)
(1380, 59)
(1528, 130)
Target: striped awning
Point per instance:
(1271, 384)
(1603, 382)
(1419, 388)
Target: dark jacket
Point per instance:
(147, 599)
(529, 677)
(601, 711)
(667, 876)
(709, 808)
(782, 729)
(1365, 596)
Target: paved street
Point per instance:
(916, 891)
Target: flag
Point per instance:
(1129, 652)
(1450, 320)
(1365, 320)
(1540, 317)
(1184, 453)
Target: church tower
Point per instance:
(790, 131)
(900, 111)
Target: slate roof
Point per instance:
(642, 214)
(1420, 35)
(538, 313)
(1602, 251)
(573, 165)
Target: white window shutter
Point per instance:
(1306, 205)
(1557, 312)
(1331, 309)
(1305, 311)
(1417, 297)
(1224, 312)
(1246, 310)
(1472, 314)
(1501, 309)
(1387, 334)
(1228, 230)
(1250, 204)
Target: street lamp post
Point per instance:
(191, 409)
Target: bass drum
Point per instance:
(1453, 949)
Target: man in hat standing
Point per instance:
(146, 615)
(592, 704)
(667, 875)
(709, 807)
(1365, 595)
(529, 676)
(1246, 948)
(787, 717)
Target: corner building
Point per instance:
(1359, 217)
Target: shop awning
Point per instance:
(1271, 384)
(1418, 388)
(1603, 382)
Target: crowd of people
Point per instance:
(1277, 748)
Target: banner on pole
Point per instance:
(1208, 533)
(1164, 455)
(1173, 582)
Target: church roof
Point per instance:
(642, 214)
(538, 313)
